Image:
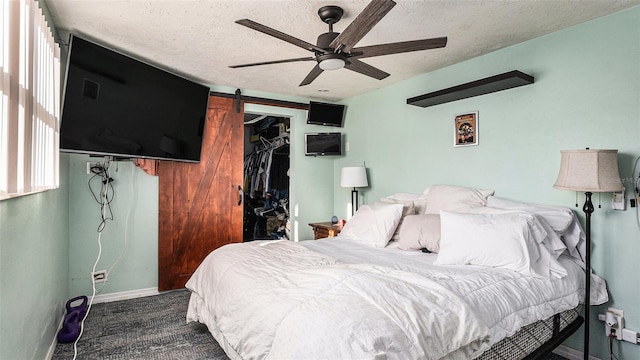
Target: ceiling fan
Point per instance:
(334, 50)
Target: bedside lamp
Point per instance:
(354, 177)
(589, 171)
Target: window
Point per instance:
(30, 98)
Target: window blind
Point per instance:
(29, 109)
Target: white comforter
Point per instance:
(504, 300)
(279, 300)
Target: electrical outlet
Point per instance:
(91, 164)
(100, 276)
(614, 320)
(618, 202)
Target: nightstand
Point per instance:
(323, 230)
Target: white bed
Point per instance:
(359, 298)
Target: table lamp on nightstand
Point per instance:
(588, 171)
(354, 177)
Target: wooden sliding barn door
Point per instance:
(199, 203)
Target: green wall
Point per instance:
(34, 259)
(586, 94)
(132, 236)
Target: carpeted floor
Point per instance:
(151, 327)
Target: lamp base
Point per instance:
(354, 201)
(588, 210)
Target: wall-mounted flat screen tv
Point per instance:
(325, 114)
(323, 144)
(115, 105)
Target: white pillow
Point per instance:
(509, 241)
(408, 208)
(557, 216)
(454, 198)
(420, 231)
(419, 201)
(552, 241)
(373, 223)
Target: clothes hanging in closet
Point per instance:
(266, 185)
(266, 168)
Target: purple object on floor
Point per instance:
(81, 308)
(70, 327)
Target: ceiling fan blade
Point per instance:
(312, 75)
(280, 35)
(365, 69)
(362, 24)
(399, 47)
(273, 62)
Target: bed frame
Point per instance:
(537, 340)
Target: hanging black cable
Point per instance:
(101, 172)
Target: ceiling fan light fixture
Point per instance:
(331, 64)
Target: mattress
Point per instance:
(503, 301)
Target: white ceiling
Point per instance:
(199, 39)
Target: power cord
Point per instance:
(134, 198)
(612, 336)
(102, 171)
(636, 190)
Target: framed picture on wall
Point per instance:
(466, 129)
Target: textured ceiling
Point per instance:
(199, 39)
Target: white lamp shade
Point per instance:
(589, 171)
(354, 177)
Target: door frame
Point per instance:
(297, 117)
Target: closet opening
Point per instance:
(266, 177)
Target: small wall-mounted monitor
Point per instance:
(323, 144)
(325, 114)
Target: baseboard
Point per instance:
(571, 353)
(54, 342)
(125, 295)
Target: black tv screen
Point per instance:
(325, 114)
(322, 144)
(118, 106)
